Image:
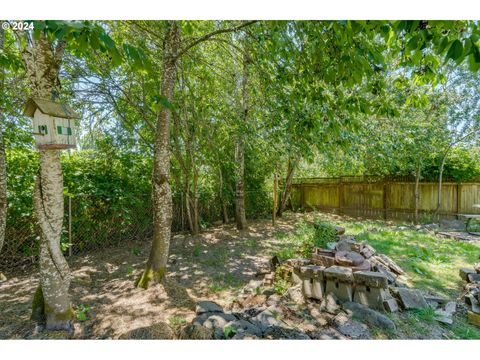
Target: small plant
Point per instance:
(252, 243)
(177, 321)
(82, 311)
(280, 235)
(323, 234)
(280, 286)
(229, 332)
(197, 250)
(130, 270)
(136, 251)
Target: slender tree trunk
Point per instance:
(440, 181)
(288, 185)
(51, 302)
(240, 152)
(162, 197)
(3, 170)
(274, 212)
(196, 196)
(222, 198)
(417, 191)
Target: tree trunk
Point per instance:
(222, 198)
(274, 211)
(440, 181)
(196, 196)
(3, 170)
(417, 191)
(288, 184)
(162, 197)
(51, 302)
(240, 153)
(55, 306)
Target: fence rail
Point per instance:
(383, 198)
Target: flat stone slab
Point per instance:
(312, 271)
(371, 279)
(339, 273)
(370, 316)
(349, 258)
(411, 298)
(323, 260)
(458, 235)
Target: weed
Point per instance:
(82, 311)
(130, 270)
(177, 321)
(280, 286)
(229, 332)
(197, 249)
(463, 330)
(280, 235)
(136, 251)
(251, 243)
(286, 253)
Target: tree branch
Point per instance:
(212, 34)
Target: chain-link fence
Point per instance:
(93, 223)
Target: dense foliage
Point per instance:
(327, 98)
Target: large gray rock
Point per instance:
(410, 298)
(265, 319)
(370, 316)
(207, 307)
(351, 328)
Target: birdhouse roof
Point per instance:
(49, 107)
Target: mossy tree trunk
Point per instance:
(3, 170)
(51, 303)
(162, 198)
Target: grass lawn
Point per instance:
(432, 264)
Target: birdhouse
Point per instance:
(54, 124)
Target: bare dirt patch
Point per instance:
(212, 265)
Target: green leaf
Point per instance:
(456, 50)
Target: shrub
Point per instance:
(323, 234)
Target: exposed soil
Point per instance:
(212, 265)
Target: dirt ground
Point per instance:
(213, 265)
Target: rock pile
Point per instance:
(472, 293)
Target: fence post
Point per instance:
(341, 194)
(459, 194)
(70, 226)
(385, 200)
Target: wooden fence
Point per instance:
(383, 198)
